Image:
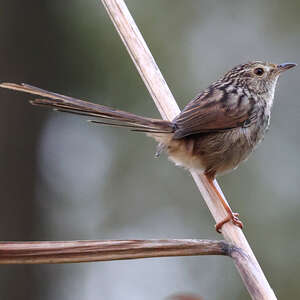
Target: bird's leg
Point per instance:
(231, 215)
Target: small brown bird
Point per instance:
(214, 133)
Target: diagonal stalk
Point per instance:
(250, 272)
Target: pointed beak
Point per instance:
(285, 66)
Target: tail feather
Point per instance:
(117, 118)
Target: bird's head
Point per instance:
(258, 77)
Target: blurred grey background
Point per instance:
(62, 178)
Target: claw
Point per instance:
(231, 217)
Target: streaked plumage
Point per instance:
(215, 131)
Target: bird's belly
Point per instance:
(215, 153)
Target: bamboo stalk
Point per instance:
(106, 250)
(168, 109)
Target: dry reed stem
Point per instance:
(106, 250)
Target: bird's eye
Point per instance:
(259, 71)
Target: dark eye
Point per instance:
(259, 71)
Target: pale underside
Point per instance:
(212, 153)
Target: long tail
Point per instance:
(103, 114)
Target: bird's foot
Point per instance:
(234, 217)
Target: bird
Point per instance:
(212, 135)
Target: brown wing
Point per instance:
(214, 110)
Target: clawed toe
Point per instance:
(231, 217)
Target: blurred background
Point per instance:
(62, 178)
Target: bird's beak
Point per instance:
(285, 66)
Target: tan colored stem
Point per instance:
(168, 108)
(106, 250)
